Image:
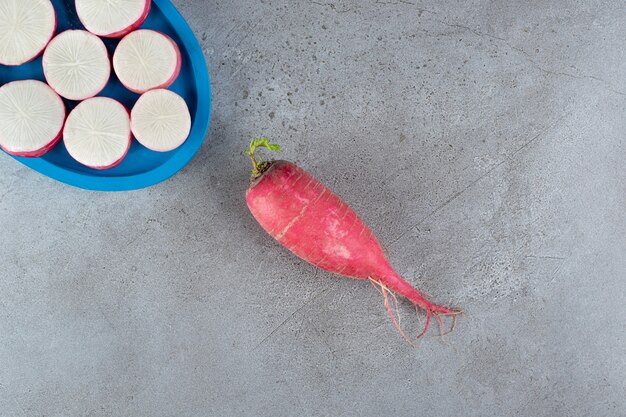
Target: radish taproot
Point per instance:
(31, 118)
(97, 133)
(316, 225)
(146, 60)
(160, 120)
(112, 19)
(26, 27)
(76, 65)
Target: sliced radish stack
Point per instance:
(26, 27)
(160, 120)
(97, 133)
(76, 64)
(112, 18)
(31, 118)
(146, 60)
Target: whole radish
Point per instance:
(315, 224)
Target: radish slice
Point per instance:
(146, 60)
(26, 27)
(76, 64)
(31, 118)
(160, 120)
(97, 133)
(112, 19)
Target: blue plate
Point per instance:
(141, 167)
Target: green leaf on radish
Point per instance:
(262, 143)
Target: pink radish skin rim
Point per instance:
(47, 148)
(126, 31)
(179, 63)
(130, 138)
(38, 152)
(108, 60)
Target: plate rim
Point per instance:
(178, 160)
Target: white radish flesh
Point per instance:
(26, 27)
(160, 120)
(112, 18)
(97, 133)
(31, 118)
(146, 60)
(76, 64)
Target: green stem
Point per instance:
(255, 164)
(258, 166)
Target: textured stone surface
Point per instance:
(484, 143)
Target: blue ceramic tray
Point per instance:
(141, 167)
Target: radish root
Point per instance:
(384, 291)
(395, 318)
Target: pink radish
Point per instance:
(112, 19)
(76, 65)
(97, 133)
(160, 120)
(316, 225)
(26, 27)
(31, 118)
(146, 60)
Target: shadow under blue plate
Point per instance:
(142, 167)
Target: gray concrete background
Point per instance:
(483, 141)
